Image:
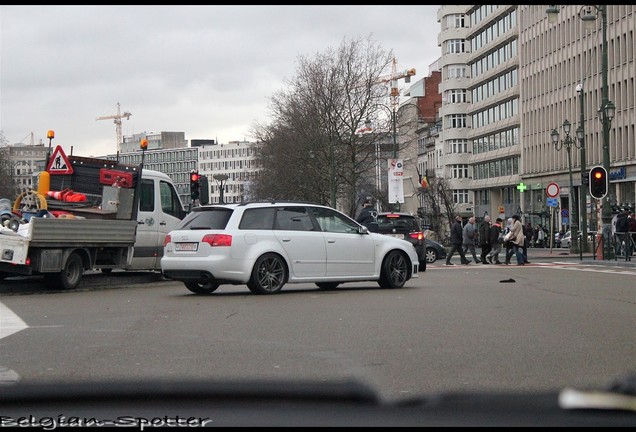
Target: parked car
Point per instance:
(566, 240)
(266, 245)
(405, 226)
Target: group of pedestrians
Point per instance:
(491, 236)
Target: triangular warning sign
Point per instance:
(58, 163)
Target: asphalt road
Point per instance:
(477, 327)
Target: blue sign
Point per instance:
(565, 213)
(552, 202)
(565, 221)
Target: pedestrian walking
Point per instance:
(484, 239)
(540, 236)
(507, 243)
(468, 234)
(516, 238)
(456, 242)
(496, 240)
(367, 216)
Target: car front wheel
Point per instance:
(268, 275)
(395, 270)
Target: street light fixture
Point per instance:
(221, 178)
(589, 14)
(567, 143)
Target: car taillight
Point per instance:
(417, 235)
(166, 240)
(218, 239)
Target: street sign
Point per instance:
(552, 190)
(552, 202)
(565, 213)
(58, 163)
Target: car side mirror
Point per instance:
(363, 230)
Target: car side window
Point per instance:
(257, 219)
(147, 197)
(293, 219)
(330, 220)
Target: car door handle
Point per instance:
(163, 223)
(285, 239)
(141, 222)
(331, 241)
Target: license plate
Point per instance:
(186, 246)
(400, 236)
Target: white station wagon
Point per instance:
(268, 244)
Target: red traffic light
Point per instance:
(599, 184)
(194, 177)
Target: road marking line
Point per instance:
(9, 322)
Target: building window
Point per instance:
(460, 196)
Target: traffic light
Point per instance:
(204, 190)
(598, 182)
(194, 185)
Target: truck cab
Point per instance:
(160, 210)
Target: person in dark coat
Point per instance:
(621, 236)
(456, 238)
(484, 239)
(495, 241)
(367, 216)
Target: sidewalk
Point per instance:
(584, 258)
(563, 254)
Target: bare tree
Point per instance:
(311, 149)
(439, 207)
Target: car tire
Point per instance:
(431, 255)
(201, 288)
(327, 285)
(395, 270)
(269, 274)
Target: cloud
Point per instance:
(208, 71)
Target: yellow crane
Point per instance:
(393, 78)
(117, 119)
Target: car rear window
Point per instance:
(206, 218)
(389, 223)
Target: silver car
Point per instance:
(266, 245)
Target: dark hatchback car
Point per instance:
(405, 226)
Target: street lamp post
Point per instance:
(580, 134)
(393, 110)
(589, 14)
(567, 143)
(221, 178)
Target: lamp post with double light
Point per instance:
(589, 14)
(393, 114)
(559, 145)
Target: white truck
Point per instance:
(121, 224)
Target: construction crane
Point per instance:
(393, 79)
(117, 119)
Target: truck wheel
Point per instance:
(70, 276)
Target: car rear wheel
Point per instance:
(269, 274)
(431, 255)
(395, 270)
(327, 285)
(201, 288)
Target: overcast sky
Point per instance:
(208, 71)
